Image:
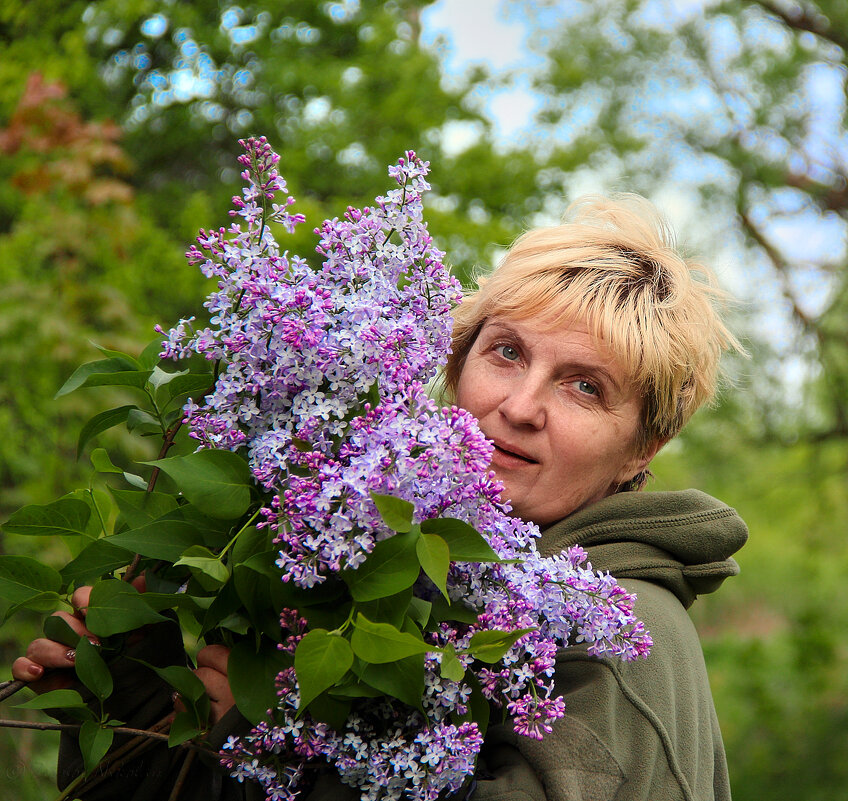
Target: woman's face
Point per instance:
(562, 413)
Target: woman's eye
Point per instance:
(586, 388)
(508, 352)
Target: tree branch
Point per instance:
(782, 270)
(178, 784)
(811, 326)
(9, 688)
(25, 724)
(802, 18)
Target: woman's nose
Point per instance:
(524, 403)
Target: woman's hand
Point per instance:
(212, 671)
(56, 658)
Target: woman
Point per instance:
(589, 347)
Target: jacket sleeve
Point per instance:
(633, 731)
(572, 763)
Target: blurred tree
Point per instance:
(72, 229)
(744, 103)
(341, 89)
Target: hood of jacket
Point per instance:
(681, 540)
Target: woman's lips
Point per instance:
(506, 455)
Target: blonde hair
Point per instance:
(612, 264)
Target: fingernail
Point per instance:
(94, 641)
(174, 696)
(71, 654)
(35, 671)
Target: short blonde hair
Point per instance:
(612, 264)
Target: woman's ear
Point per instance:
(638, 465)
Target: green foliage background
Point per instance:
(108, 168)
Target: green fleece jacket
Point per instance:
(637, 731)
(633, 731)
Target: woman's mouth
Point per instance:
(506, 455)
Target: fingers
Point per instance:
(82, 595)
(24, 669)
(214, 656)
(43, 653)
(79, 599)
(212, 671)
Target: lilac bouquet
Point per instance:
(411, 603)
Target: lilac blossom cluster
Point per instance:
(301, 348)
(323, 384)
(386, 750)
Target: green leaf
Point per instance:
(330, 710)
(321, 659)
(263, 563)
(403, 679)
(149, 357)
(62, 517)
(490, 645)
(41, 602)
(183, 728)
(102, 463)
(225, 604)
(189, 686)
(419, 611)
(159, 377)
(135, 481)
(130, 362)
(140, 508)
(396, 512)
(434, 555)
(100, 423)
(116, 606)
(465, 542)
(142, 422)
(204, 561)
(94, 742)
(189, 384)
(114, 371)
(127, 378)
(251, 541)
(354, 689)
(54, 699)
(373, 394)
(456, 611)
(255, 593)
(164, 539)
(252, 675)
(22, 578)
(83, 372)
(479, 708)
(94, 561)
(56, 628)
(451, 667)
(92, 670)
(217, 482)
(390, 609)
(182, 679)
(391, 567)
(381, 642)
